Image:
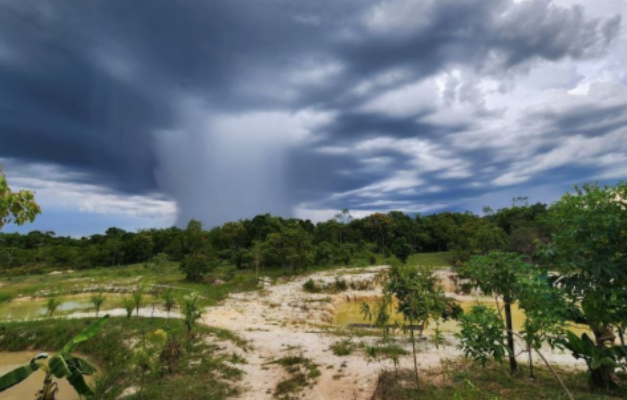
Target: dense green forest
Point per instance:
(267, 240)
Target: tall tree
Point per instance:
(589, 249)
(342, 218)
(499, 274)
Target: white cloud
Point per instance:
(57, 187)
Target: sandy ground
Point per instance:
(283, 320)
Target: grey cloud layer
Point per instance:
(105, 87)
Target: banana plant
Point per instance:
(595, 356)
(63, 365)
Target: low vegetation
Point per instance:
(343, 347)
(200, 372)
(467, 381)
(302, 373)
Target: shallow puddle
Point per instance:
(27, 389)
(350, 313)
(36, 308)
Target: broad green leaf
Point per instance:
(86, 334)
(596, 363)
(574, 343)
(77, 381)
(609, 362)
(16, 376)
(85, 367)
(59, 367)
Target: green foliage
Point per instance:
(97, 300)
(213, 378)
(195, 266)
(401, 249)
(17, 375)
(159, 262)
(169, 302)
(594, 356)
(52, 304)
(129, 305)
(588, 249)
(16, 207)
(310, 286)
(498, 273)
(420, 298)
(291, 244)
(147, 353)
(478, 237)
(138, 297)
(343, 347)
(481, 335)
(302, 372)
(545, 311)
(380, 314)
(469, 381)
(62, 365)
(192, 311)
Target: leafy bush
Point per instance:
(481, 335)
(195, 266)
(310, 286)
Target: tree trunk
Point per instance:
(530, 350)
(604, 376)
(513, 365)
(413, 345)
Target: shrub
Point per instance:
(310, 286)
(195, 266)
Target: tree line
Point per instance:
(291, 243)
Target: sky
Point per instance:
(141, 114)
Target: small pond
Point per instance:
(27, 389)
(350, 313)
(36, 308)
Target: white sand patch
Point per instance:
(284, 320)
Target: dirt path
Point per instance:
(283, 320)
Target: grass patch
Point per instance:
(302, 372)
(343, 347)
(442, 259)
(127, 276)
(5, 297)
(386, 350)
(467, 381)
(201, 372)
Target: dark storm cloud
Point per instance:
(87, 84)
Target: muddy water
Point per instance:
(350, 313)
(26, 389)
(36, 308)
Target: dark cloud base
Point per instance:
(88, 85)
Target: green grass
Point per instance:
(443, 259)
(466, 381)
(200, 373)
(343, 347)
(386, 350)
(231, 280)
(302, 372)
